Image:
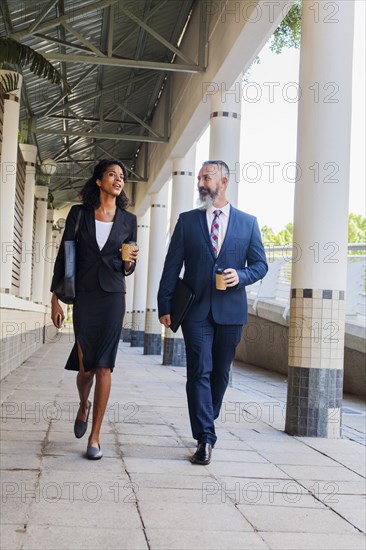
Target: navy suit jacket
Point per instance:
(190, 245)
(97, 268)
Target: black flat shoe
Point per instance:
(202, 455)
(80, 426)
(94, 453)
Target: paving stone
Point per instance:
(329, 473)
(15, 510)
(316, 541)
(179, 539)
(295, 519)
(331, 489)
(352, 508)
(173, 481)
(298, 458)
(149, 441)
(181, 515)
(245, 470)
(237, 455)
(12, 536)
(77, 461)
(163, 466)
(55, 537)
(23, 461)
(91, 512)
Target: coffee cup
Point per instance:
(127, 248)
(220, 279)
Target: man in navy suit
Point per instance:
(216, 235)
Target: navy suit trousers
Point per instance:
(210, 350)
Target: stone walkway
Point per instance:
(262, 490)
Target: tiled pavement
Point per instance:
(263, 489)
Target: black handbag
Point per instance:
(65, 289)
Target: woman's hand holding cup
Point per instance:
(130, 251)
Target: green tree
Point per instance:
(283, 237)
(356, 228)
(288, 33)
(356, 232)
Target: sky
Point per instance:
(269, 134)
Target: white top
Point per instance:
(223, 222)
(102, 231)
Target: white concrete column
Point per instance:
(157, 251)
(140, 283)
(49, 257)
(317, 315)
(29, 153)
(40, 242)
(127, 321)
(183, 185)
(225, 132)
(183, 190)
(8, 171)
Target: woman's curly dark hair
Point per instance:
(90, 193)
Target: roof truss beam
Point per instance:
(83, 40)
(98, 135)
(148, 16)
(71, 14)
(137, 119)
(156, 35)
(121, 62)
(48, 7)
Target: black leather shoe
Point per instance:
(80, 426)
(203, 454)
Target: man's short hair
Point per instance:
(222, 166)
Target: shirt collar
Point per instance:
(224, 209)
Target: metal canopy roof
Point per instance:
(117, 56)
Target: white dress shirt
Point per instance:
(222, 221)
(102, 231)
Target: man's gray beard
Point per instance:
(205, 203)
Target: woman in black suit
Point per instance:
(100, 289)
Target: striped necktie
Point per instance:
(215, 231)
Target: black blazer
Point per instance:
(97, 268)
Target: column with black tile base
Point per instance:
(140, 282)
(319, 272)
(157, 250)
(315, 375)
(183, 178)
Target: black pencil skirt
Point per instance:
(98, 318)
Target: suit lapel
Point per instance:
(116, 229)
(203, 222)
(90, 225)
